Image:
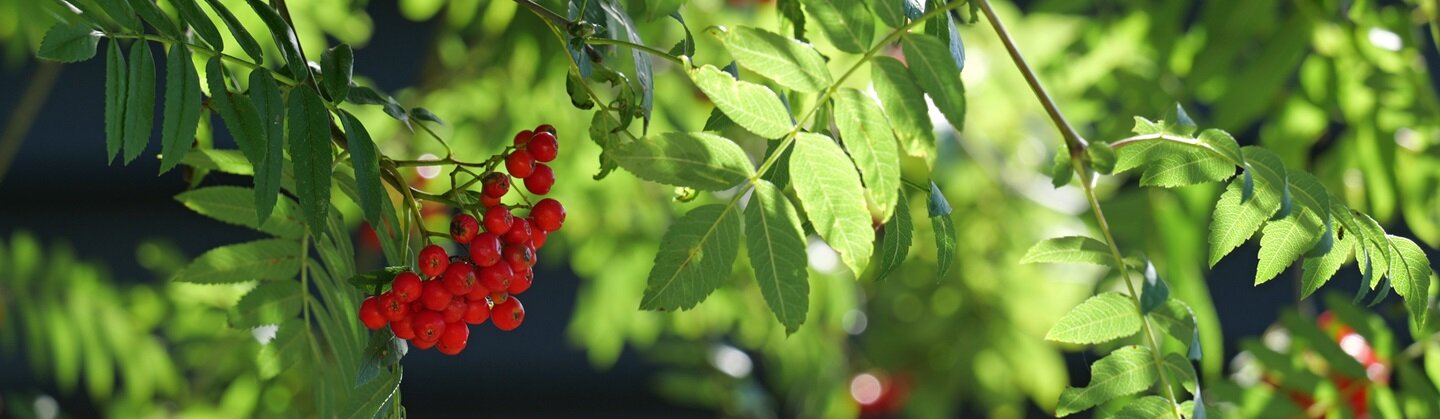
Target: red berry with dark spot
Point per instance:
(435, 296)
(545, 128)
(403, 328)
(433, 261)
(391, 307)
(521, 281)
(406, 286)
(456, 310)
(537, 238)
(519, 232)
(543, 146)
(495, 184)
(498, 220)
(509, 314)
(459, 278)
(520, 163)
(428, 325)
(539, 183)
(548, 214)
(523, 137)
(464, 227)
(496, 277)
(485, 249)
(370, 313)
(477, 311)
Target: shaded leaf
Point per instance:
(284, 39)
(895, 240)
(116, 96)
(182, 107)
(236, 205)
(934, 69)
(777, 252)
(846, 23)
(139, 100)
(365, 157)
(308, 132)
(270, 110)
(238, 31)
(338, 64)
(191, 15)
(697, 160)
(1154, 292)
(1125, 371)
(644, 75)
(69, 42)
(695, 257)
(260, 259)
(271, 302)
(156, 18)
(946, 243)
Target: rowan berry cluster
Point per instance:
(434, 307)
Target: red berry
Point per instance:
(545, 128)
(448, 350)
(433, 261)
(403, 329)
(424, 344)
(477, 311)
(522, 280)
(428, 325)
(456, 310)
(519, 232)
(478, 294)
(520, 163)
(497, 297)
(390, 307)
(496, 277)
(459, 278)
(498, 220)
(520, 254)
(537, 238)
(488, 201)
(495, 184)
(406, 287)
(539, 183)
(435, 297)
(543, 146)
(464, 227)
(509, 314)
(485, 249)
(370, 313)
(548, 214)
(523, 137)
(456, 334)
(417, 305)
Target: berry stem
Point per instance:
(635, 46)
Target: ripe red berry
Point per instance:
(539, 183)
(545, 128)
(391, 307)
(509, 314)
(403, 329)
(477, 311)
(478, 294)
(496, 277)
(537, 238)
(485, 249)
(543, 146)
(520, 163)
(456, 334)
(496, 298)
(447, 346)
(435, 296)
(370, 313)
(498, 220)
(406, 287)
(520, 255)
(428, 325)
(417, 305)
(424, 344)
(489, 201)
(519, 232)
(456, 310)
(548, 214)
(523, 137)
(521, 281)
(433, 261)
(459, 278)
(464, 227)
(495, 184)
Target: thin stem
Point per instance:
(544, 13)
(449, 154)
(639, 47)
(208, 52)
(1076, 146)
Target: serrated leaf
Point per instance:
(1376, 244)
(69, 42)
(790, 63)
(1283, 241)
(934, 69)
(904, 105)
(191, 15)
(224, 161)
(156, 18)
(1102, 318)
(846, 23)
(120, 11)
(1410, 274)
(1318, 270)
(271, 302)
(284, 39)
(182, 107)
(833, 199)
(1154, 292)
(1070, 249)
(1222, 143)
(871, 143)
(1176, 319)
(289, 346)
(365, 157)
(1182, 165)
(750, 105)
(338, 63)
(947, 245)
(891, 12)
(367, 400)
(236, 205)
(260, 259)
(1125, 371)
(270, 110)
(1179, 370)
(895, 240)
(1178, 121)
(696, 160)
(139, 100)
(238, 31)
(1233, 222)
(695, 257)
(777, 252)
(246, 128)
(1145, 126)
(116, 96)
(308, 132)
(1311, 195)
(1148, 407)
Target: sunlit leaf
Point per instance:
(697, 160)
(1148, 407)
(847, 23)
(1318, 270)
(790, 63)
(238, 31)
(934, 69)
(871, 143)
(271, 302)
(904, 105)
(1125, 371)
(1071, 249)
(1410, 273)
(830, 192)
(750, 105)
(1102, 318)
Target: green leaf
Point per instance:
(245, 127)
(120, 11)
(284, 39)
(1154, 292)
(1410, 273)
(896, 239)
(260, 259)
(366, 401)
(1102, 157)
(338, 64)
(139, 100)
(603, 131)
(790, 63)
(621, 26)
(270, 110)
(381, 277)
(182, 107)
(224, 161)
(1182, 165)
(271, 302)
(1222, 143)
(1145, 126)
(870, 142)
(1070, 249)
(156, 18)
(1284, 240)
(946, 243)
(750, 105)
(1126, 371)
(931, 65)
(696, 160)
(1176, 320)
(1178, 121)
(115, 98)
(191, 14)
(308, 124)
(425, 115)
(1148, 407)
(1311, 195)
(830, 192)
(1318, 270)
(695, 257)
(777, 253)
(1233, 222)
(1102, 318)
(905, 106)
(1270, 172)
(1062, 170)
(847, 23)
(892, 12)
(236, 205)
(69, 42)
(247, 42)
(366, 159)
(290, 345)
(790, 10)
(1179, 370)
